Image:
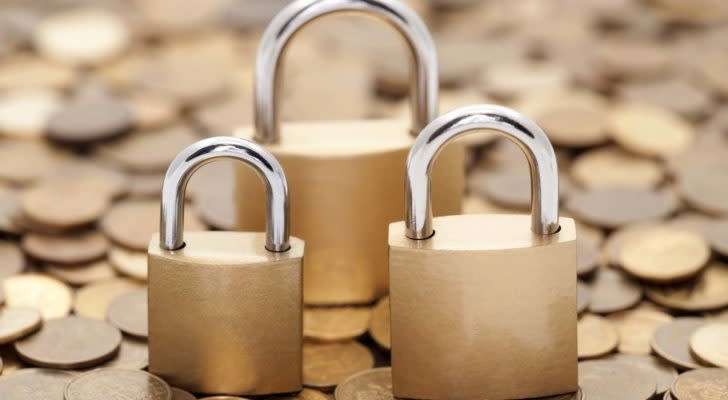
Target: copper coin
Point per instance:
(12, 261)
(596, 336)
(636, 327)
(610, 167)
(664, 373)
(76, 248)
(611, 290)
(132, 223)
(672, 341)
(14, 156)
(130, 263)
(34, 383)
(49, 296)
(717, 234)
(613, 208)
(709, 291)
(70, 342)
(616, 240)
(701, 384)
(93, 300)
(179, 394)
(664, 255)
(708, 344)
(610, 380)
(587, 257)
(128, 312)
(121, 383)
(582, 297)
(83, 274)
(327, 364)
(380, 324)
(133, 354)
(24, 113)
(63, 205)
(372, 384)
(703, 187)
(335, 323)
(16, 322)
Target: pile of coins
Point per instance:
(97, 97)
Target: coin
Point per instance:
(34, 384)
(613, 246)
(665, 255)
(129, 262)
(76, 248)
(24, 113)
(179, 394)
(636, 328)
(370, 385)
(587, 257)
(379, 324)
(596, 336)
(14, 156)
(610, 167)
(61, 206)
(672, 341)
(122, 383)
(151, 111)
(133, 354)
(708, 343)
(582, 298)
(335, 323)
(128, 312)
(709, 291)
(47, 295)
(93, 300)
(609, 380)
(677, 95)
(82, 274)
(701, 384)
(328, 364)
(509, 187)
(9, 201)
(70, 342)
(12, 261)
(703, 188)
(649, 130)
(223, 398)
(29, 71)
(717, 234)
(664, 373)
(611, 291)
(92, 174)
(613, 208)
(16, 322)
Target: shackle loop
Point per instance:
(285, 25)
(529, 137)
(207, 150)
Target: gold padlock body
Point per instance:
(225, 314)
(483, 309)
(346, 184)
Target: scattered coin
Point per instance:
(587, 257)
(709, 291)
(47, 295)
(82, 274)
(664, 373)
(62, 206)
(613, 208)
(16, 322)
(609, 380)
(672, 341)
(123, 383)
(27, 71)
(611, 291)
(708, 343)
(133, 354)
(76, 248)
(24, 113)
(93, 300)
(636, 327)
(650, 131)
(703, 188)
(701, 384)
(610, 167)
(34, 383)
(596, 336)
(379, 325)
(582, 297)
(335, 323)
(179, 394)
(151, 111)
(717, 234)
(677, 95)
(12, 261)
(14, 156)
(370, 384)
(327, 364)
(131, 263)
(70, 342)
(128, 312)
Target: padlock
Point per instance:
(481, 305)
(225, 308)
(345, 173)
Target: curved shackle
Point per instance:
(529, 137)
(205, 151)
(285, 25)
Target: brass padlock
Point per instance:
(345, 173)
(225, 308)
(481, 305)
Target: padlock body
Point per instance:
(225, 315)
(346, 184)
(483, 309)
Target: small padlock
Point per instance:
(481, 305)
(225, 308)
(345, 173)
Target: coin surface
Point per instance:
(70, 342)
(76, 248)
(650, 131)
(702, 187)
(672, 341)
(596, 336)
(708, 291)
(610, 167)
(125, 384)
(717, 235)
(587, 257)
(133, 354)
(34, 384)
(61, 206)
(609, 380)
(582, 297)
(664, 373)
(708, 343)
(370, 384)
(701, 384)
(49, 296)
(82, 274)
(611, 290)
(380, 324)
(16, 322)
(636, 327)
(93, 300)
(128, 312)
(127, 262)
(14, 156)
(179, 394)
(327, 364)
(24, 113)
(613, 208)
(12, 261)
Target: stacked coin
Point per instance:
(96, 98)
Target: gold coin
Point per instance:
(128, 312)
(93, 300)
(335, 323)
(119, 383)
(616, 240)
(70, 342)
(83, 274)
(610, 167)
(663, 372)
(75, 248)
(12, 261)
(672, 341)
(179, 394)
(64, 205)
(372, 384)
(380, 324)
(709, 291)
(611, 290)
(327, 364)
(636, 328)
(131, 263)
(701, 384)
(133, 354)
(49, 296)
(650, 131)
(596, 336)
(24, 113)
(16, 322)
(709, 343)
(610, 380)
(34, 383)
(665, 255)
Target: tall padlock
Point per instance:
(225, 308)
(481, 305)
(345, 173)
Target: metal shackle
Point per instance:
(207, 150)
(285, 25)
(529, 137)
